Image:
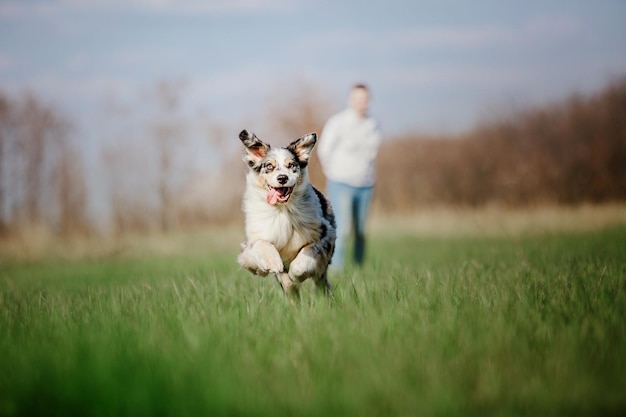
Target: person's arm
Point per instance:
(376, 140)
(327, 142)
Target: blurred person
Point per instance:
(347, 151)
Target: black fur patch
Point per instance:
(326, 209)
(303, 164)
(303, 147)
(330, 249)
(255, 166)
(255, 148)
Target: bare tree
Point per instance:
(167, 131)
(302, 109)
(567, 153)
(4, 115)
(36, 122)
(36, 154)
(71, 190)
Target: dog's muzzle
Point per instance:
(277, 195)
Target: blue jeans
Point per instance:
(351, 205)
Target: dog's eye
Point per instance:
(269, 167)
(291, 165)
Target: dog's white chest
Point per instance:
(282, 230)
(290, 250)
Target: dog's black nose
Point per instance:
(282, 179)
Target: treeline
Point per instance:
(570, 152)
(41, 169)
(145, 168)
(146, 177)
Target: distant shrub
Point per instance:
(566, 153)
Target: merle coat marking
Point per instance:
(290, 225)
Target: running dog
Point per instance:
(290, 225)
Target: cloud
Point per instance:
(546, 29)
(449, 76)
(552, 28)
(540, 32)
(20, 9)
(6, 62)
(213, 6)
(70, 89)
(445, 37)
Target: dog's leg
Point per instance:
(323, 285)
(311, 262)
(291, 288)
(260, 257)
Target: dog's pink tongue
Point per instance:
(272, 196)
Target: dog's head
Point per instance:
(277, 170)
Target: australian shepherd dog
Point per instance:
(290, 225)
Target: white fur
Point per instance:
(292, 240)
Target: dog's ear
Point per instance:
(303, 147)
(255, 148)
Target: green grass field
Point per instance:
(432, 325)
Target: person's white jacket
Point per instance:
(348, 147)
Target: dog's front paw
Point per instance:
(268, 257)
(260, 257)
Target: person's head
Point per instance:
(359, 99)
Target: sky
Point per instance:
(432, 66)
